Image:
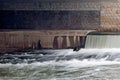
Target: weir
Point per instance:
(102, 40)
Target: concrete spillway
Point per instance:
(103, 40)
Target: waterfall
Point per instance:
(103, 41)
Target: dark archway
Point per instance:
(55, 42)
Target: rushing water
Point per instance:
(103, 41)
(86, 64)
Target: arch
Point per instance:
(55, 42)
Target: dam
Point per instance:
(56, 26)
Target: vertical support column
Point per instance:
(78, 40)
(77, 43)
(60, 40)
(68, 42)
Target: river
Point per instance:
(64, 64)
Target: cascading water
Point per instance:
(65, 64)
(102, 41)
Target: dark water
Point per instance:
(86, 64)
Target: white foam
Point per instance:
(87, 63)
(65, 65)
(85, 51)
(5, 65)
(74, 63)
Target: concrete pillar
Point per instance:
(64, 43)
(77, 41)
(74, 41)
(60, 40)
(68, 41)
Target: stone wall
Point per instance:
(110, 14)
(48, 38)
(49, 20)
(109, 9)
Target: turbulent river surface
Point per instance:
(65, 64)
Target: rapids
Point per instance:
(64, 64)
